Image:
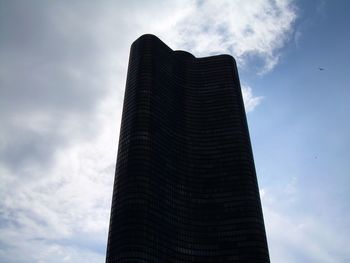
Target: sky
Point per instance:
(62, 77)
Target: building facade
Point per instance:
(185, 188)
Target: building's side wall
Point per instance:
(126, 240)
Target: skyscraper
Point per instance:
(185, 187)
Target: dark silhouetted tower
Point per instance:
(185, 187)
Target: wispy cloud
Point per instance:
(62, 73)
(250, 102)
(299, 236)
(241, 28)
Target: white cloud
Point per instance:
(250, 102)
(259, 28)
(60, 118)
(61, 212)
(299, 236)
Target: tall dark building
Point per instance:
(185, 187)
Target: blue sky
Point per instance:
(299, 133)
(62, 75)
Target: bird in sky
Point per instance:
(321, 68)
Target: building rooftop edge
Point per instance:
(182, 53)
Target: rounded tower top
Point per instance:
(184, 54)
